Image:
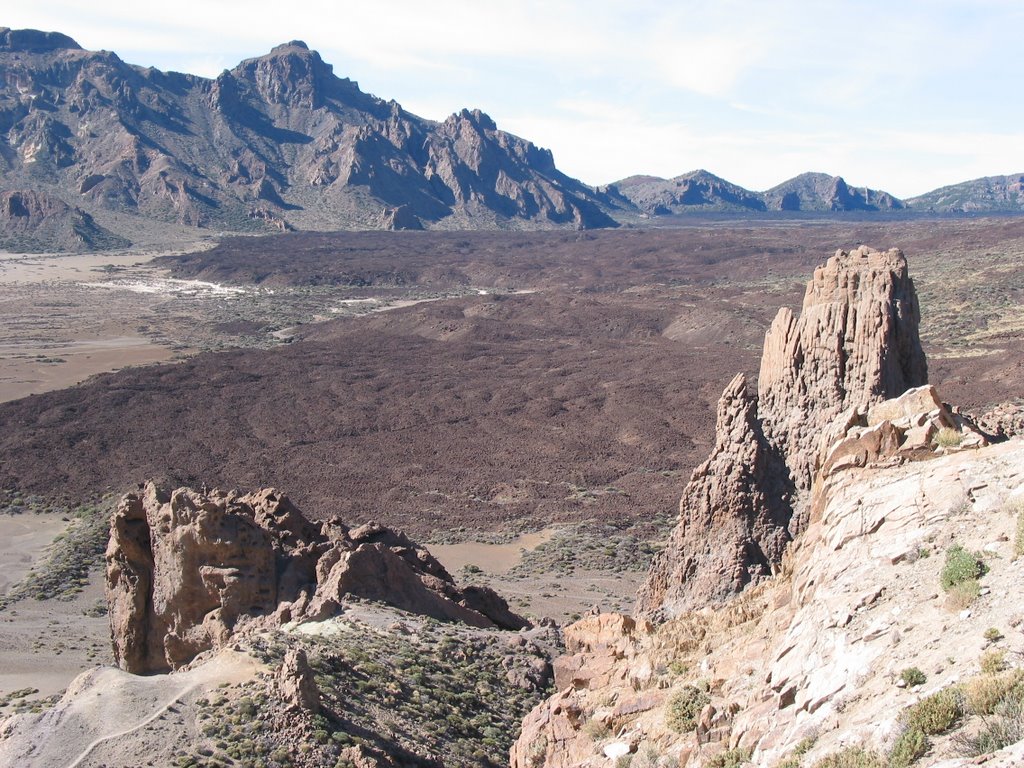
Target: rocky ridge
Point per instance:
(703, 192)
(807, 661)
(279, 141)
(989, 194)
(31, 220)
(188, 570)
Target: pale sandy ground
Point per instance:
(541, 594)
(22, 539)
(493, 559)
(56, 331)
(45, 644)
(110, 716)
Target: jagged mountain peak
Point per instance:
(279, 140)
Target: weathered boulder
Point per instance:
(733, 516)
(296, 683)
(186, 570)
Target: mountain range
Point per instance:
(93, 148)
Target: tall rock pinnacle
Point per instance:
(855, 343)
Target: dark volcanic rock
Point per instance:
(281, 129)
(186, 570)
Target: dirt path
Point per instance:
(107, 704)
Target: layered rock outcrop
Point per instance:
(812, 659)
(854, 344)
(185, 570)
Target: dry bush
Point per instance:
(983, 694)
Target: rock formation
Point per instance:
(824, 193)
(810, 660)
(855, 343)
(296, 683)
(185, 570)
(733, 515)
(32, 220)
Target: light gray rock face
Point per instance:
(186, 570)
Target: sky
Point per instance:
(899, 95)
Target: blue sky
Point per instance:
(900, 95)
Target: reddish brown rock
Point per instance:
(296, 682)
(185, 570)
(855, 344)
(733, 517)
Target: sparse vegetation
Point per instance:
(909, 747)
(993, 635)
(935, 714)
(983, 694)
(851, 757)
(948, 437)
(1017, 507)
(912, 676)
(731, 758)
(1005, 726)
(961, 567)
(64, 571)
(685, 706)
(992, 662)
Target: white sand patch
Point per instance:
(169, 287)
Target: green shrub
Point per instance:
(851, 757)
(961, 566)
(684, 708)
(993, 635)
(1003, 728)
(983, 694)
(1018, 541)
(805, 745)
(912, 676)
(909, 747)
(935, 714)
(732, 758)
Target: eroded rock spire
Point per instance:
(855, 343)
